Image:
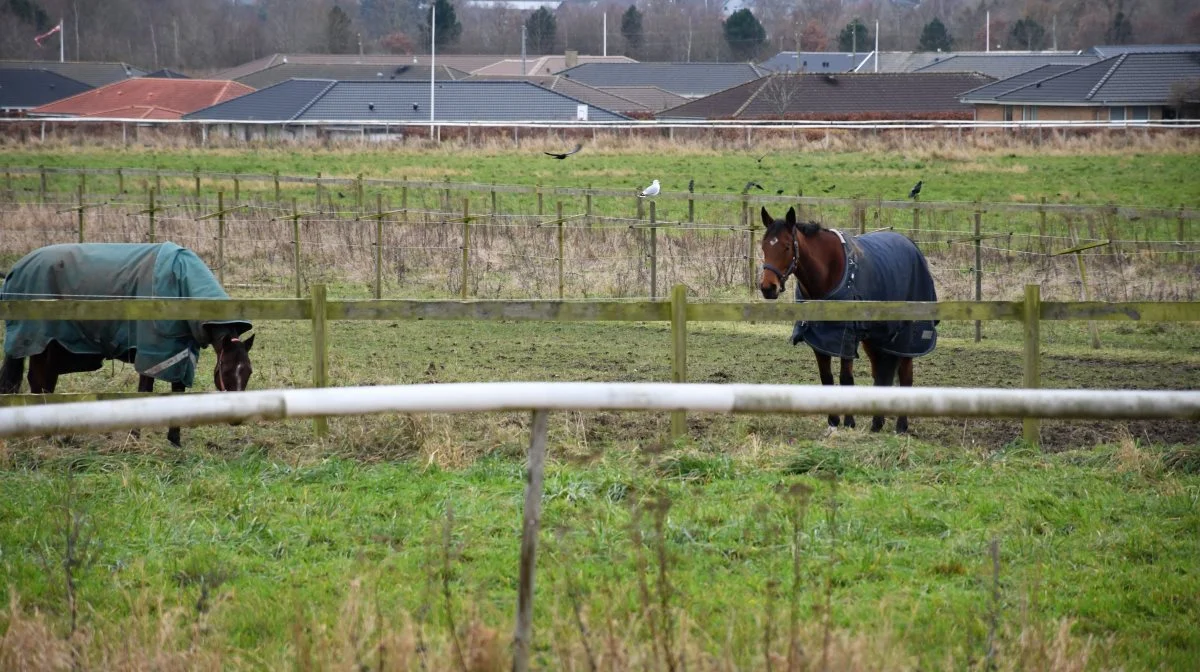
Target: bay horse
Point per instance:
(828, 266)
(159, 349)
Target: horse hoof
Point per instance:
(849, 423)
(829, 431)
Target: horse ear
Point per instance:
(767, 219)
(791, 216)
(249, 342)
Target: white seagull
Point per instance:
(651, 190)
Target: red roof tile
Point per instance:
(146, 98)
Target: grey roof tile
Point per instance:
(92, 74)
(685, 79)
(813, 61)
(1110, 50)
(1003, 65)
(403, 102)
(1136, 77)
(23, 89)
(395, 71)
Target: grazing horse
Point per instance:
(158, 349)
(881, 266)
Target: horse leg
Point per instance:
(145, 384)
(847, 378)
(173, 432)
(906, 380)
(826, 370)
(43, 377)
(885, 373)
(10, 374)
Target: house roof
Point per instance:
(602, 99)
(1110, 50)
(146, 98)
(167, 73)
(1018, 81)
(92, 74)
(686, 79)
(464, 62)
(912, 61)
(1004, 64)
(542, 65)
(396, 70)
(816, 95)
(1131, 78)
(650, 97)
(813, 61)
(22, 89)
(403, 102)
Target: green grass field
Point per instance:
(393, 543)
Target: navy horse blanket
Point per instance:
(880, 266)
(161, 349)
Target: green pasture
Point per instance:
(272, 527)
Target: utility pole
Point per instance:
(523, 30)
(606, 33)
(432, 62)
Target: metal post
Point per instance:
(466, 247)
(379, 245)
(296, 243)
(561, 247)
(152, 211)
(653, 252)
(1033, 363)
(978, 273)
(523, 636)
(678, 352)
(80, 210)
(320, 350)
(221, 237)
(120, 181)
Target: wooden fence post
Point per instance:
(8, 188)
(691, 203)
(860, 212)
(319, 194)
(80, 210)
(466, 247)
(237, 189)
(587, 206)
(196, 174)
(1042, 226)
(42, 185)
(120, 182)
(157, 181)
(1033, 362)
(320, 350)
(561, 247)
(358, 189)
(978, 272)
(83, 182)
(494, 210)
(446, 200)
(540, 210)
(404, 201)
(276, 176)
(641, 209)
(916, 232)
(678, 353)
(379, 245)
(221, 236)
(751, 258)
(1179, 228)
(532, 516)
(152, 211)
(296, 243)
(653, 251)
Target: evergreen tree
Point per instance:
(448, 27)
(935, 38)
(338, 32)
(1027, 34)
(744, 34)
(854, 37)
(631, 30)
(541, 27)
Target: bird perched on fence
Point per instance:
(564, 155)
(829, 188)
(751, 185)
(651, 190)
(916, 190)
(691, 185)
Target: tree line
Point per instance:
(206, 35)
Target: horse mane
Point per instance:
(810, 229)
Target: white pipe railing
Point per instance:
(215, 408)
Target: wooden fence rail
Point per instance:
(677, 311)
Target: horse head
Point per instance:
(798, 248)
(233, 369)
(780, 249)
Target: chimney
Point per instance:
(572, 58)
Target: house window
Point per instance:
(1029, 113)
(1008, 112)
(1139, 113)
(1116, 114)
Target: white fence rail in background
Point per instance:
(215, 408)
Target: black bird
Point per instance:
(749, 185)
(691, 186)
(829, 188)
(341, 195)
(915, 190)
(779, 192)
(564, 155)
(759, 159)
